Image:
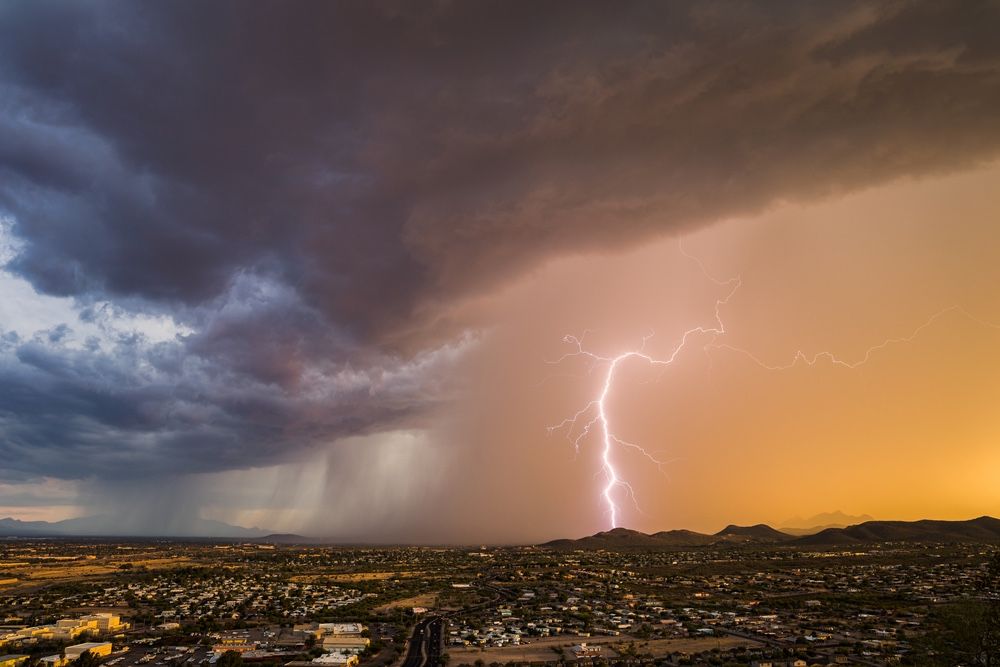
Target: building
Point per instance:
(13, 660)
(586, 651)
(54, 661)
(338, 658)
(68, 628)
(100, 649)
(349, 644)
(239, 644)
(321, 630)
(104, 622)
(342, 629)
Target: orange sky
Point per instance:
(324, 297)
(910, 434)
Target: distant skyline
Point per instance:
(314, 271)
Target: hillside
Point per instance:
(983, 529)
(759, 532)
(624, 539)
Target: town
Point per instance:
(121, 604)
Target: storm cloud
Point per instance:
(305, 190)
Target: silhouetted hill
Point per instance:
(287, 538)
(683, 538)
(760, 532)
(623, 539)
(11, 527)
(616, 538)
(983, 529)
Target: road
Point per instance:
(434, 642)
(415, 654)
(425, 644)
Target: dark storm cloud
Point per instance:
(134, 407)
(303, 186)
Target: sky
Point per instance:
(328, 271)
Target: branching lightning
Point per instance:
(594, 415)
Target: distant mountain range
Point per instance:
(108, 526)
(289, 538)
(623, 538)
(984, 529)
(818, 522)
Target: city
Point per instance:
(193, 603)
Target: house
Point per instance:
(586, 651)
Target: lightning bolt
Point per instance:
(594, 415)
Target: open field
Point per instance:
(537, 650)
(661, 647)
(349, 577)
(426, 600)
(69, 572)
(544, 649)
(66, 570)
(91, 568)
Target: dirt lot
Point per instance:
(426, 600)
(542, 649)
(58, 571)
(356, 576)
(660, 647)
(538, 649)
(92, 569)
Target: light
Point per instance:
(595, 412)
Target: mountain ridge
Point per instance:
(108, 526)
(984, 529)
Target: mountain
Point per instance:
(760, 532)
(683, 538)
(621, 539)
(983, 529)
(110, 526)
(287, 538)
(616, 538)
(822, 521)
(11, 527)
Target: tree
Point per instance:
(989, 588)
(87, 659)
(968, 631)
(230, 659)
